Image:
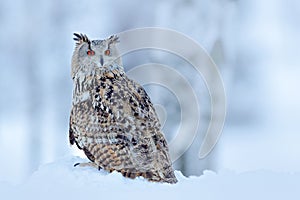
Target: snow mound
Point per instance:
(60, 180)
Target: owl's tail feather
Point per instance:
(116, 157)
(151, 176)
(166, 175)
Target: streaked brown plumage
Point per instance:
(112, 118)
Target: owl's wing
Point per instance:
(135, 124)
(127, 105)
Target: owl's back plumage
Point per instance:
(112, 118)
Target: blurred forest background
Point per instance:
(254, 43)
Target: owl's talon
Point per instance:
(76, 164)
(88, 164)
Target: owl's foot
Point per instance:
(88, 164)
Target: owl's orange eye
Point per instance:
(90, 52)
(107, 52)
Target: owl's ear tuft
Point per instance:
(113, 39)
(80, 38)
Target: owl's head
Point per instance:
(95, 55)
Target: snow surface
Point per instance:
(60, 180)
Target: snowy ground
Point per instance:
(60, 180)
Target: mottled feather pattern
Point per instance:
(114, 122)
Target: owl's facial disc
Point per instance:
(99, 52)
(102, 54)
(94, 56)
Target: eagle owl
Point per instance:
(112, 118)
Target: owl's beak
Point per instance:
(101, 60)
